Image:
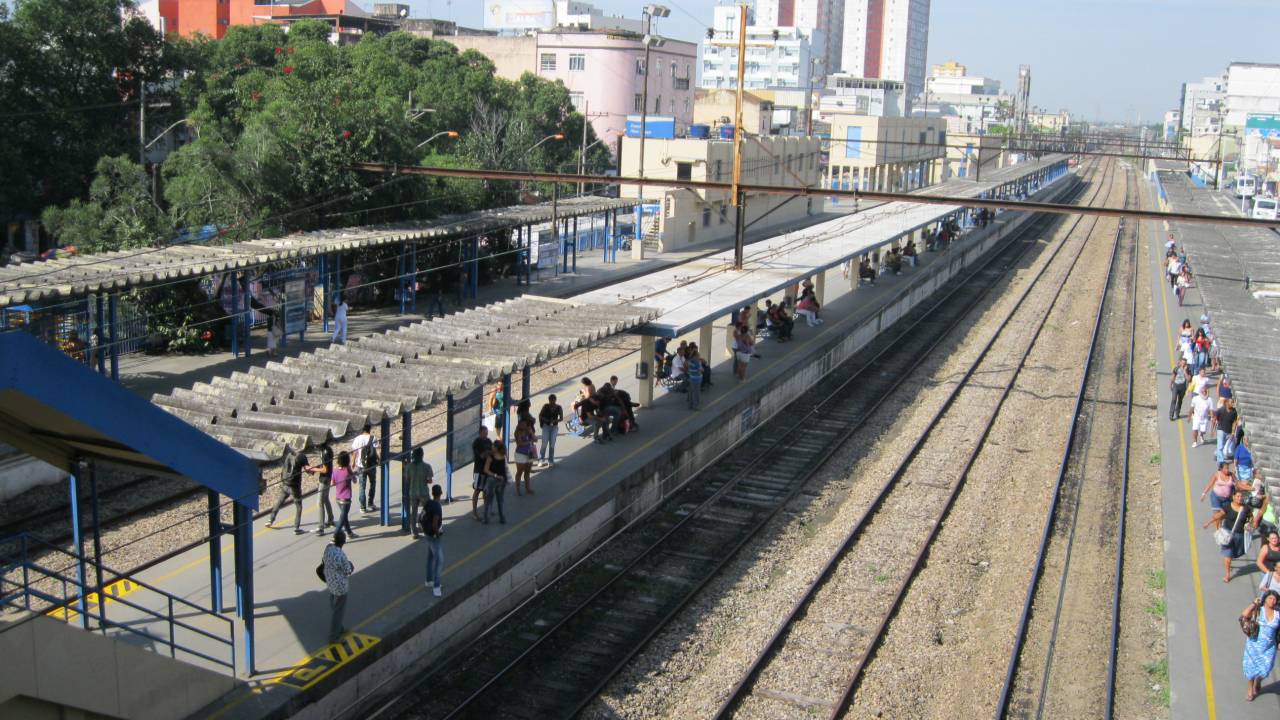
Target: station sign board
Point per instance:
(660, 127)
(466, 415)
(519, 14)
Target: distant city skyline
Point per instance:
(1117, 60)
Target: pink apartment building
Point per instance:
(604, 72)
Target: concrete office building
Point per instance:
(884, 153)
(886, 39)
(821, 16)
(777, 56)
(1202, 106)
(604, 72)
(688, 217)
(969, 102)
(1252, 89)
(863, 96)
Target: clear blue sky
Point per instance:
(1114, 59)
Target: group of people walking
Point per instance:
(1241, 512)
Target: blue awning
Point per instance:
(61, 412)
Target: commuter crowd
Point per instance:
(1243, 520)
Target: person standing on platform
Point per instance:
(1225, 421)
(1260, 650)
(694, 371)
(337, 574)
(419, 475)
(480, 449)
(1201, 412)
(325, 471)
(357, 460)
(495, 472)
(291, 489)
(339, 321)
(342, 482)
(432, 522)
(549, 419)
(1178, 381)
(1233, 516)
(526, 442)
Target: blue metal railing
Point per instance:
(46, 591)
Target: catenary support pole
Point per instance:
(82, 600)
(96, 520)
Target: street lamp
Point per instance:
(557, 136)
(650, 41)
(187, 121)
(449, 133)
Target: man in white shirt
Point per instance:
(340, 321)
(1201, 411)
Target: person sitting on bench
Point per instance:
(866, 271)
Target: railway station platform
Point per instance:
(1233, 267)
(397, 627)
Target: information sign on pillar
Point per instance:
(406, 447)
(462, 428)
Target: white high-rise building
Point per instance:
(1202, 105)
(826, 17)
(777, 57)
(886, 39)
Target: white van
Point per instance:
(1264, 208)
(1246, 186)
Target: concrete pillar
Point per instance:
(704, 338)
(820, 287)
(647, 347)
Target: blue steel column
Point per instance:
(235, 315)
(82, 600)
(386, 471)
(243, 520)
(100, 336)
(506, 409)
(400, 270)
(576, 240)
(324, 293)
(113, 301)
(413, 278)
(448, 448)
(215, 553)
(475, 268)
(406, 447)
(97, 543)
(248, 315)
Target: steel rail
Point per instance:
(1024, 618)
(728, 486)
(1114, 641)
(747, 679)
(1027, 206)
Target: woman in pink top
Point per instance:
(808, 309)
(342, 489)
(1223, 484)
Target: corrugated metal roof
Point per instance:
(125, 269)
(329, 394)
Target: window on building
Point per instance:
(684, 171)
(548, 63)
(637, 104)
(657, 105)
(673, 68)
(719, 169)
(577, 62)
(706, 216)
(671, 104)
(639, 66)
(724, 213)
(576, 98)
(686, 106)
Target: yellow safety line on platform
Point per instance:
(1191, 533)
(117, 589)
(320, 664)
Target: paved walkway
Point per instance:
(1205, 643)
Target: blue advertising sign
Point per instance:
(1262, 125)
(655, 126)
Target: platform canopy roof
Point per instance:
(62, 412)
(330, 394)
(706, 290)
(82, 275)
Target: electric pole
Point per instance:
(739, 201)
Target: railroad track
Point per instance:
(552, 655)
(844, 613)
(1079, 564)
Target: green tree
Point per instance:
(118, 215)
(68, 68)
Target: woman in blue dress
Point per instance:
(1260, 651)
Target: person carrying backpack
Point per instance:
(358, 448)
(431, 522)
(291, 488)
